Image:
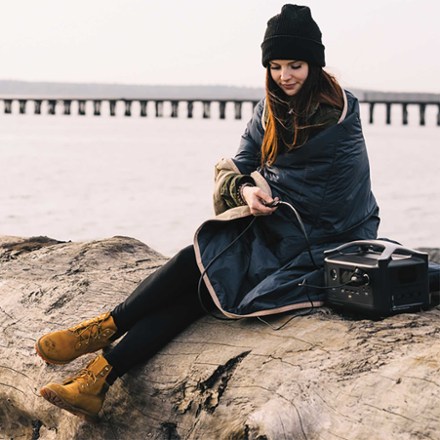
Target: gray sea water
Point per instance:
(84, 177)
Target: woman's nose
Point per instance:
(284, 74)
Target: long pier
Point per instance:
(176, 104)
(65, 105)
(404, 100)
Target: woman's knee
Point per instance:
(185, 258)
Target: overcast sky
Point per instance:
(390, 45)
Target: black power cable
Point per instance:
(302, 227)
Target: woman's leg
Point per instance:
(161, 307)
(163, 288)
(175, 280)
(84, 393)
(153, 332)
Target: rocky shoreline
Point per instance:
(322, 376)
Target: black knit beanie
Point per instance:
(293, 35)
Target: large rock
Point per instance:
(322, 376)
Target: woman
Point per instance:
(304, 147)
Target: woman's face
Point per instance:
(290, 75)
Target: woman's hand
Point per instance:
(257, 200)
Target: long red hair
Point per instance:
(287, 117)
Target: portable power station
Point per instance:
(376, 277)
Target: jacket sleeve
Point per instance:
(248, 156)
(230, 191)
(231, 173)
(225, 171)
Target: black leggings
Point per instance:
(163, 305)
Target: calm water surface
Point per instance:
(83, 178)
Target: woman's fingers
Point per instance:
(258, 201)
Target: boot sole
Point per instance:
(48, 360)
(52, 397)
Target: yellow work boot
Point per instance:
(82, 395)
(64, 346)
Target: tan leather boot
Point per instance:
(62, 347)
(83, 394)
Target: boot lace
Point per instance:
(89, 330)
(87, 376)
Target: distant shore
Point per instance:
(40, 89)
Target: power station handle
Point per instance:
(387, 248)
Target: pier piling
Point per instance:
(405, 113)
(206, 109)
(37, 106)
(8, 106)
(51, 106)
(97, 107)
(112, 105)
(222, 109)
(143, 111)
(190, 109)
(67, 105)
(127, 107)
(81, 107)
(388, 113)
(422, 110)
(237, 108)
(174, 109)
(159, 109)
(22, 106)
(371, 112)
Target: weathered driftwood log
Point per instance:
(323, 376)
